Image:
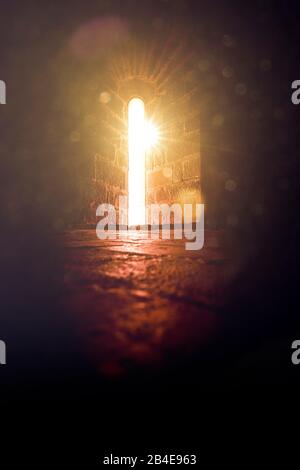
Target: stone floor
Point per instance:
(87, 318)
(137, 303)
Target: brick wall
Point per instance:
(174, 167)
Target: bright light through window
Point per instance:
(142, 135)
(136, 163)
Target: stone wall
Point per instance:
(174, 168)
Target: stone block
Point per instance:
(160, 177)
(191, 167)
(177, 172)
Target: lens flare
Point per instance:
(151, 135)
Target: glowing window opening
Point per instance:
(136, 162)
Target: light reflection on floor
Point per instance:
(136, 302)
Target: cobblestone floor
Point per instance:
(137, 303)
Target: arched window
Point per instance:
(136, 162)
